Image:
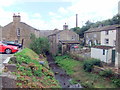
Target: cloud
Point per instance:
(52, 13)
(4, 3)
(101, 8)
(62, 10)
(36, 15)
(93, 10)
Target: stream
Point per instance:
(60, 74)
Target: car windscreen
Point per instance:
(11, 42)
(3, 44)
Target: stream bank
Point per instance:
(61, 75)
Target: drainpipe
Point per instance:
(106, 56)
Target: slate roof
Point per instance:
(103, 47)
(69, 42)
(102, 28)
(56, 32)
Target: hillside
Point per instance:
(30, 73)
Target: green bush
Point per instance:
(88, 64)
(116, 81)
(39, 45)
(106, 73)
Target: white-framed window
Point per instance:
(95, 35)
(18, 31)
(107, 32)
(106, 41)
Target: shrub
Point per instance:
(88, 64)
(106, 73)
(39, 45)
(116, 81)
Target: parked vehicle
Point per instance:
(12, 43)
(74, 46)
(7, 48)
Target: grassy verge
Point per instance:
(75, 70)
(30, 73)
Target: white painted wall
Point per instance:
(117, 60)
(111, 36)
(98, 54)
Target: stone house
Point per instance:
(92, 36)
(108, 35)
(18, 31)
(104, 35)
(60, 36)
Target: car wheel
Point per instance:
(8, 51)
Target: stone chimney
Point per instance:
(65, 27)
(16, 18)
(76, 20)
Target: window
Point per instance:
(106, 41)
(114, 42)
(103, 51)
(86, 36)
(95, 35)
(58, 36)
(72, 37)
(18, 32)
(106, 32)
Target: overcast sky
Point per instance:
(51, 14)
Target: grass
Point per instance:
(68, 64)
(75, 70)
(31, 74)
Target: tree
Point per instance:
(39, 45)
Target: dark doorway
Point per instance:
(113, 56)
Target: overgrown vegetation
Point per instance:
(67, 64)
(39, 45)
(106, 73)
(30, 73)
(88, 64)
(87, 79)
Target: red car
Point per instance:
(7, 48)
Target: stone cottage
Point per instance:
(103, 35)
(64, 35)
(18, 31)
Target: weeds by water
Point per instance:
(87, 79)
